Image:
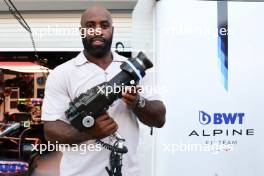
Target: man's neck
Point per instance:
(102, 62)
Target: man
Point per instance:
(96, 64)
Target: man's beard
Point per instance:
(98, 51)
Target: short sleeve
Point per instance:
(56, 99)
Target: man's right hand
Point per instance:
(104, 126)
(65, 133)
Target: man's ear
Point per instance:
(81, 29)
(113, 28)
(82, 32)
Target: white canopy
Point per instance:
(24, 67)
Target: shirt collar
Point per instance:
(81, 59)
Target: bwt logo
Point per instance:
(220, 118)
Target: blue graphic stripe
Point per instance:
(223, 63)
(222, 23)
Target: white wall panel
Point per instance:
(189, 68)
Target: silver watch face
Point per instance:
(141, 102)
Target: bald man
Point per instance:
(96, 64)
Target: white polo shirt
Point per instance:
(69, 80)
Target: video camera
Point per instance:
(85, 108)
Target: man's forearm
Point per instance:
(63, 133)
(153, 114)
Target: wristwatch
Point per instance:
(141, 102)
